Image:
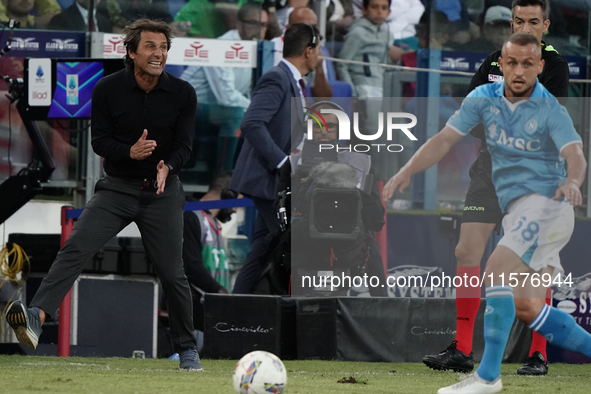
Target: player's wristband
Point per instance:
(170, 168)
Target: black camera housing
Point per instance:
(335, 214)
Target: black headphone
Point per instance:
(314, 41)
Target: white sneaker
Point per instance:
(473, 384)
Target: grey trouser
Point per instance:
(116, 203)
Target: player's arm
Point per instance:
(576, 167)
(427, 155)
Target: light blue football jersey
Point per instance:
(524, 139)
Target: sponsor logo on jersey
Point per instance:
(519, 143)
(473, 208)
(492, 130)
(495, 78)
(531, 126)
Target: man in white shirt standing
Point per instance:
(224, 93)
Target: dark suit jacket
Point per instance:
(266, 127)
(71, 19)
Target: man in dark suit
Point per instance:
(266, 127)
(75, 18)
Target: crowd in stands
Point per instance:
(350, 33)
(472, 25)
(457, 24)
(372, 31)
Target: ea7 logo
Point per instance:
(237, 52)
(24, 43)
(344, 132)
(449, 63)
(196, 51)
(62, 45)
(114, 45)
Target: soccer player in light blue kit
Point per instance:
(529, 135)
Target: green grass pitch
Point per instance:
(28, 374)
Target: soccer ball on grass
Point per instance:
(259, 372)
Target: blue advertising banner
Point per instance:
(462, 61)
(577, 65)
(37, 43)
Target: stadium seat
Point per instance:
(341, 95)
(339, 88)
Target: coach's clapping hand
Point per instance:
(571, 191)
(401, 181)
(162, 173)
(142, 148)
